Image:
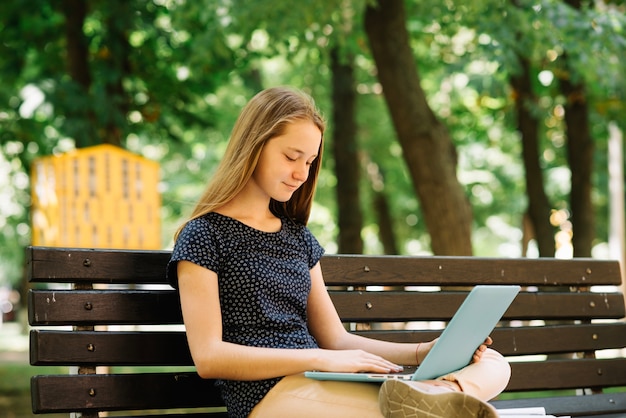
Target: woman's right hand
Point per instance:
(355, 361)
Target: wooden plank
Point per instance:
(73, 307)
(555, 339)
(415, 306)
(538, 305)
(94, 307)
(361, 270)
(567, 374)
(66, 265)
(153, 348)
(180, 390)
(576, 406)
(527, 340)
(78, 393)
(69, 265)
(157, 348)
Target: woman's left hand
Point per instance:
(478, 354)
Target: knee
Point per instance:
(500, 367)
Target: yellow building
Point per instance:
(96, 197)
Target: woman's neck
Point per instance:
(253, 214)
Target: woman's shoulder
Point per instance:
(207, 224)
(211, 218)
(200, 222)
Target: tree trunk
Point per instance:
(75, 12)
(380, 204)
(77, 58)
(425, 141)
(118, 25)
(347, 167)
(538, 205)
(385, 223)
(580, 159)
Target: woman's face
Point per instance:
(285, 160)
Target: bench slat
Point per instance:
(157, 348)
(567, 374)
(68, 265)
(77, 307)
(109, 348)
(520, 341)
(408, 306)
(66, 393)
(75, 265)
(599, 404)
(65, 307)
(104, 392)
(361, 270)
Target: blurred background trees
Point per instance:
(454, 128)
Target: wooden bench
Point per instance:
(110, 315)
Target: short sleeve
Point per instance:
(316, 250)
(197, 244)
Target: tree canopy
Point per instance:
(166, 79)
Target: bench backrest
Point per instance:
(119, 313)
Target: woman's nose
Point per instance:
(301, 173)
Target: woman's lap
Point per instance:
(329, 399)
(313, 398)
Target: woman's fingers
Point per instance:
(358, 361)
(481, 349)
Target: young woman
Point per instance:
(255, 307)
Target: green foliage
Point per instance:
(171, 76)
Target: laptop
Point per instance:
(471, 325)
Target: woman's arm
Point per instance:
(326, 327)
(215, 358)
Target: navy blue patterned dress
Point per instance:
(264, 283)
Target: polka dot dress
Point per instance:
(263, 283)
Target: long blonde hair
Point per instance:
(263, 118)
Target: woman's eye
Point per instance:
(290, 159)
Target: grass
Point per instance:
(15, 377)
(15, 389)
(536, 394)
